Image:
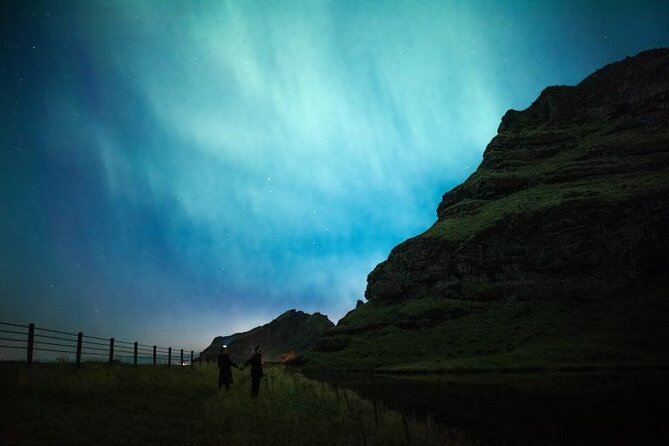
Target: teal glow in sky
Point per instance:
(174, 171)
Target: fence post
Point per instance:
(80, 340)
(154, 355)
(31, 345)
(191, 358)
(111, 351)
(134, 359)
(200, 358)
(182, 357)
(169, 357)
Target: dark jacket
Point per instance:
(255, 361)
(225, 365)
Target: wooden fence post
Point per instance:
(80, 340)
(169, 357)
(111, 351)
(191, 358)
(31, 345)
(134, 359)
(182, 357)
(154, 355)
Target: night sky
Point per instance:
(173, 172)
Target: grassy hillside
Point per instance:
(446, 334)
(570, 198)
(553, 254)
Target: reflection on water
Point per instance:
(533, 408)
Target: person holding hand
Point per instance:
(255, 361)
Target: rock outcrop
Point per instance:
(571, 199)
(554, 252)
(292, 333)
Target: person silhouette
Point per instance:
(255, 361)
(225, 365)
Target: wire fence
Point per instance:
(38, 341)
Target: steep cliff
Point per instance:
(555, 247)
(293, 331)
(570, 199)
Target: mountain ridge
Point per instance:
(562, 138)
(293, 332)
(563, 224)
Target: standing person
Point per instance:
(225, 365)
(255, 361)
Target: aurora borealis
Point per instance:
(172, 171)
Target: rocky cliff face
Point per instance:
(554, 252)
(293, 331)
(571, 199)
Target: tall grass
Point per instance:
(57, 404)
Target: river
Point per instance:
(625, 407)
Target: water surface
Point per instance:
(625, 407)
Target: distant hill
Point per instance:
(293, 331)
(555, 251)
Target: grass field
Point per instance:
(57, 404)
(444, 335)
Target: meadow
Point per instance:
(435, 335)
(122, 404)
